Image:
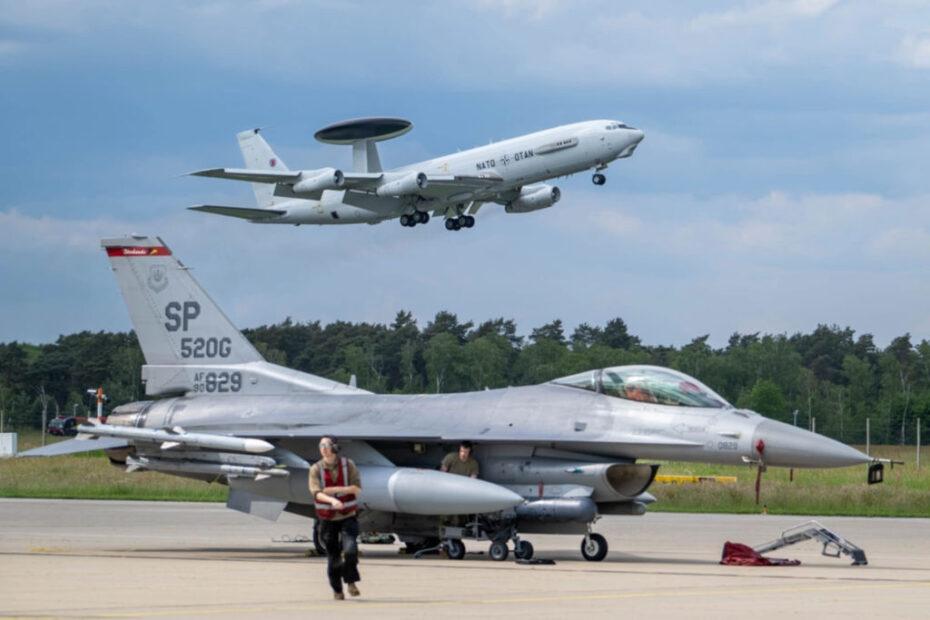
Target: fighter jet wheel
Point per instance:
(498, 551)
(455, 549)
(469, 221)
(523, 550)
(599, 179)
(594, 548)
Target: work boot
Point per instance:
(353, 590)
(339, 596)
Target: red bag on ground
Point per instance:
(738, 554)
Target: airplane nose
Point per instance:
(638, 135)
(790, 446)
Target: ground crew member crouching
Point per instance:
(334, 484)
(461, 462)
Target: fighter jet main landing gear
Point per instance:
(457, 223)
(412, 219)
(598, 178)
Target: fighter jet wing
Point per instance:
(74, 446)
(344, 431)
(253, 176)
(245, 213)
(395, 433)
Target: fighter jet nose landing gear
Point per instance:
(594, 547)
(598, 178)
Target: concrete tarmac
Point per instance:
(154, 559)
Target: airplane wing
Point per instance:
(394, 433)
(77, 445)
(245, 213)
(465, 187)
(253, 176)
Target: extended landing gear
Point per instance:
(594, 547)
(412, 219)
(598, 178)
(457, 223)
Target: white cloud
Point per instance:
(914, 51)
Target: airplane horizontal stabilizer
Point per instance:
(245, 174)
(75, 446)
(245, 213)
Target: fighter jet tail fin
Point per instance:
(258, 156)
(190, 345)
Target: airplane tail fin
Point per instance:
(190, 345)
(258, 156)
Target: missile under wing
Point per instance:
(553, 457)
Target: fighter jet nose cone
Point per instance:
(789, 446)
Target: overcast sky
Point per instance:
(783, 181)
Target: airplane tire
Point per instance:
(450, 224)
(523, 550)
(405, 220)
(469, 221)
(498, 551)
(594, 548)
(422, 217)
(455, 549)
(599, 179)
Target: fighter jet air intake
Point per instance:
(553, 457)
(453, 186)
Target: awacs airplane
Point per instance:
(454, 186)
(553, 457)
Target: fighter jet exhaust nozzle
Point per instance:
(430, 492)
(784, 445)
(534, 199)
(405, 185)
(315, 181)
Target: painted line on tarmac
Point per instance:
(359, 605)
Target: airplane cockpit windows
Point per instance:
(648, 384)
(584, 380)
(618, 126)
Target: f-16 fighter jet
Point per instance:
(553, 457)
(453, 186)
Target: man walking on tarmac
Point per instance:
(334, 484)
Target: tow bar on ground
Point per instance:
(833, 543)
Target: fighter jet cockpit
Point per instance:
(649, 384)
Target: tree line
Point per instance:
(829, 378)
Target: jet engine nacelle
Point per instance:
(405, 185)
(315, 181)
(534, 199)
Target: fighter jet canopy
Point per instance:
(650, 384)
